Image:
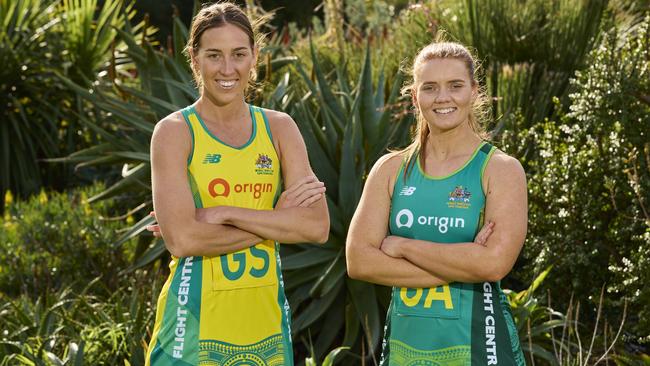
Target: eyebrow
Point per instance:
(449, 81)
(218, 50)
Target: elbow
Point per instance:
(323, 234)
(491, 277)
(177, 249)
(320, 233)
(495, 272)
(354, 268)
(179, 245)
(354, 273)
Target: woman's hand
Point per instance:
(303, 193)
(391, 246)
(154, 228)
(483, 235)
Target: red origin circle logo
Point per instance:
(223, 192)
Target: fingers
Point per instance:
(484, 234)
(305, 192)
(315, 198)
(155, 230)
(302, 181)
(310, 190)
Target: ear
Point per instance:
(414, 97)
(193, 59)
(474, 91)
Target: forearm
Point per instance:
(286, 225)
(461, 262)
(370, 264)
(202, 239)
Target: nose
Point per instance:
(227, 66)
(442, 96)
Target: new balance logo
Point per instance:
(212, 158)
(407, 191)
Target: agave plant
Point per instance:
(27, 131)
(347, 125)
(37, 121)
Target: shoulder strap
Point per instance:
(484, 156)
(186, 112)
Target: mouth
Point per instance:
(227, 84)
(444, 110)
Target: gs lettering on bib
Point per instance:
(247, 268)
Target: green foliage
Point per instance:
(28, 95)
(590, 182)
(76, 328)
(529, 49)
(55, 239)
(329, 359)
(535, 321)
(39, 39)
(347, 125)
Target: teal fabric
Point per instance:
(445, 325)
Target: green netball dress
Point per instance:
(455, 324)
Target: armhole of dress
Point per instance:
(268, 127)
(488, 150)
(269, 134)
(398, 176)
(186, 116)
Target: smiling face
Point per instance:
(224, 61)
(444, 93)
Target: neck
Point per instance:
(443, 145)
(223, 114)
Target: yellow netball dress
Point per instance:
(230, 309)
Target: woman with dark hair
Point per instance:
(443, 221)
(217, 168)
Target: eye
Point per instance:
(240, 55)
(456, 85)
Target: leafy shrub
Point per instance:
(65, 327)
(52, 240)
(590, 182)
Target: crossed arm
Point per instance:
(300, 215)
(417, 263)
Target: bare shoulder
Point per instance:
(503, 168)
(280, 122)
(388, 164)
(171, 124)
(504, 163)
(172, 131)
(385, 170)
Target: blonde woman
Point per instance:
(443, 221)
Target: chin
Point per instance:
(223, 97)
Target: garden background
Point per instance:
(84, 81)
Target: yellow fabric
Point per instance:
(240, 294)
(239, 179)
